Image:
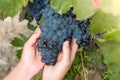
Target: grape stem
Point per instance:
(85, 72)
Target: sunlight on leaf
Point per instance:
(83, 8)
(111, 6)
(25, 2)
(113, 35)
(61, 6)
(10, 7)
(103, 22)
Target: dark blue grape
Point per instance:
(57, 28)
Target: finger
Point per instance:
(38, 59)
(60, 57)
(66, 51)
(74, 48)
(37, 53)
(34, 38)
(38, 56)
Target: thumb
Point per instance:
(34, 38)
(66, 51)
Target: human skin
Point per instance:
(30, 63)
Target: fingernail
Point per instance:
(67, 43)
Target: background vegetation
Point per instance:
(103, 59)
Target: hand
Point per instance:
(30, 56)
(30, 63)
(63, 64)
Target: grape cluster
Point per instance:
(58, 28)
(36, 7)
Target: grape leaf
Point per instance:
(111, 50)
(83, 8)
(112, 35)
(10, 7)
(93, 57)
(75, 68)
(17, 42)
(30, 26)
(38, 76)
(25, 2)
(23, 37)
(61, 6)
(31, 1)
(19, 53)
(111, 6)
(102, 22)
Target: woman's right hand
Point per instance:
(63, 64)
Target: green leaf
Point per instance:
(25, 2)
(19, 53)
(111, 51)
(31, 27)
(24, 14)
(112, 35)
(10, 7)
(102, 22)
(31, 1)
(17, 42)
(93, 57)
(83, 8)
(2, 15)
(61, 6)
(24, 38)
(111, 6)
(75, 68)
(38, 76)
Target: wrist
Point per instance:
(27, 69)
(27, 72)
(20, 72)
